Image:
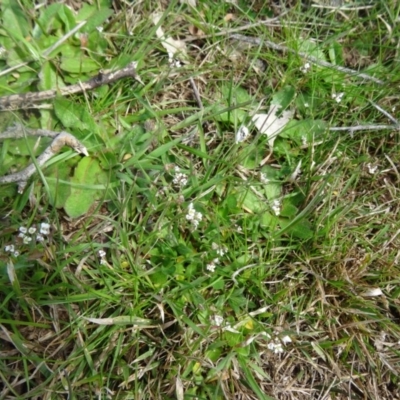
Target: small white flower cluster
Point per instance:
(218, 320)
(372, 169)
(221, 251)
(276, 345)
(180, 179)
(276, 207)
(305, 68)
(11, 249)
(173, 62)
(100, 28)
(338, 97)
(212, 265)
(102, 255)
(194, 216)
(27, 235)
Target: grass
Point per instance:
(248, 302)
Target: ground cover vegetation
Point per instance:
(228, 228)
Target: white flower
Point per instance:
(27, 239)
(44, 229)
(102, 255)
(276, 207)
(372, 168)
(180, 179)
(338, 97)
(193, 216)
(39, 238)
(211, 266)
(31, 230)
(275, 346)
(286, 339)
(23, 230)
(172, 61)
(241, 134)
(100, 28)
(219, 250)
(305, 68)
(9, 248)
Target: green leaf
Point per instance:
(159, 279)
(29, 145)
(235, 95)
(67, 18)
(232, 338)
(248, 200)
(283, 97)
(80, 65)
(14, 20)
(308, 129)
(312, 49)
(73, 115)
(234, 116)
(301, 229)
(96, 19)
(88, 173)
(49, 78)
(288, 209)
(47, 18)
(59, 189)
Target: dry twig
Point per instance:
(26, 100)
(314, 60)
(60, 139)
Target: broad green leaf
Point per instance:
(47, 19)
(49, 78)
(235, 95)
(73, 115)
(81, 65)
(301, 229)
(272, 190)
(248, 200)
(87, 173)
(67, 18)
(29, 145)
(288, 209)
(96, 19)
(307, 129)
(283, 97)
(232, 338)
(234, 116)
(14, 20)
(59, 189)
(312, 49)
(159, 279)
